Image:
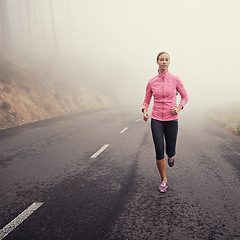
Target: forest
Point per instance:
(25, 26)
(42, 73)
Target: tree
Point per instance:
(5, 28)
(29, 24)
(55, 42)
(42, 29)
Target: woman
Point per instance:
(164, 118)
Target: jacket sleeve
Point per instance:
(148, 96)
(182, 91)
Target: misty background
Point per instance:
(113, 44)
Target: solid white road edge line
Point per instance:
(19, 219)
(126, 128)
(99, 151)
(137, 120)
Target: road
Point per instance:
(115, 195)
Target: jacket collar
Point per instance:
(164, 75)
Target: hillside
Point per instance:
(36, 90)
(227, 116)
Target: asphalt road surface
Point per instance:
(115, 195)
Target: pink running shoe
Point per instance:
(163, 186)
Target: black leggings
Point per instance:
(167, 129)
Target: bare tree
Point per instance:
(42, 29)
(29, 24)
(69, 21)
(5, 28)
(55, 42)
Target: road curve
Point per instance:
(114, 195)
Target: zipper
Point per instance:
(163, 97)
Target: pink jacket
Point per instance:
(164, 89)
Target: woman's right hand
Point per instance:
(145, 116)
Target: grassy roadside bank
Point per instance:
(227, 116)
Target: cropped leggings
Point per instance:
(167, 130)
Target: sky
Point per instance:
(120, 39)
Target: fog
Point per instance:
(117, 41)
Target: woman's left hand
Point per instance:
(176, 110)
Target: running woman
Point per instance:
(164, 117)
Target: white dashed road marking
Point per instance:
(19, 219)
(126, 128)
(27, 212)
(99, 151)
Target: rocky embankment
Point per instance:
(33, 91)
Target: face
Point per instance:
(163, 62)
